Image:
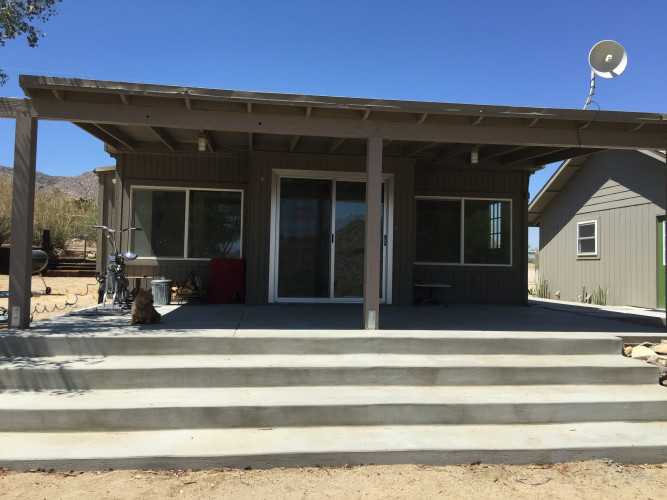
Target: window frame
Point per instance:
(594, 238)
(462, 200)
(186, 221)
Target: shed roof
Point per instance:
(159, 118)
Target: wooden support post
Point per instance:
(23, 207)
(373, 244)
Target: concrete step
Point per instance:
(137, 341)
(262, 407)
(126, 372)
(620, 441)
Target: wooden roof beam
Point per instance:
(564, 154)
(490, 152)
(418, 148)
(453, 151)
(335, 144)
(500, 134)
(527, 155)
(293, 142)
(117, 134)
(250, 140)
(164, 137)
(98, 134)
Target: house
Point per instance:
(326, 199)
(602, 227)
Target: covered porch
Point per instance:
(428, 150)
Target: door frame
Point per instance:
(387, 267)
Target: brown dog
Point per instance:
(143, 310)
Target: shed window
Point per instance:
(463, 231)
(187, 223)
(587, 238)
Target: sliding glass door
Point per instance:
(320, 240)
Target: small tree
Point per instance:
(18, 18)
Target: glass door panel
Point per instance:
(304, 246)
(350, 214)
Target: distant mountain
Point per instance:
(84, 185)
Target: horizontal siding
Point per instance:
(625, 193)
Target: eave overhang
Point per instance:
(171, 119)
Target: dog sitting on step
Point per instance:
(143, 310)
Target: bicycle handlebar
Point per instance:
(109, 230)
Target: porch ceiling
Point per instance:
(157, 118)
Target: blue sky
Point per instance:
(514, 52)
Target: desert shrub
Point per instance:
(5, 209)
(541, 289)
(599, 296)
(66, 217)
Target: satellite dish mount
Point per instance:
(607, 59)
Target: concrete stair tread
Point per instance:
(150, 331)
(275, 447)
(329, 396)
(318, 361)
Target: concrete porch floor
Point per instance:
(634, 326)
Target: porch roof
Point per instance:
(159, 118)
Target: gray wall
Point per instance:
(471, 284)
(625, 192)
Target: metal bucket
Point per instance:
(161, 292)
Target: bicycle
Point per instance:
(114, 281)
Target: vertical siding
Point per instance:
(258, 256)
(174, 170)
(623, 191)
(472, 284)
(479, 284)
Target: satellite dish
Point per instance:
(607, 59)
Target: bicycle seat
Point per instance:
(130, 255)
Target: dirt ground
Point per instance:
(598, 479)
(81, 292)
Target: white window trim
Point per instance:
(594, 238)
(276, 175)
(461, 261)
(187, 214)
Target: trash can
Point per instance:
(161, 292)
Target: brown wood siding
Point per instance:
(202, 170)
(105, 209)
(482, 284)
(479, 284)
(258, 256)
(624, 191)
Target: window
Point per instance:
(587, 238)
(463, 231)
(187, 223)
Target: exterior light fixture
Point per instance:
(201, 142)
(474, 155)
